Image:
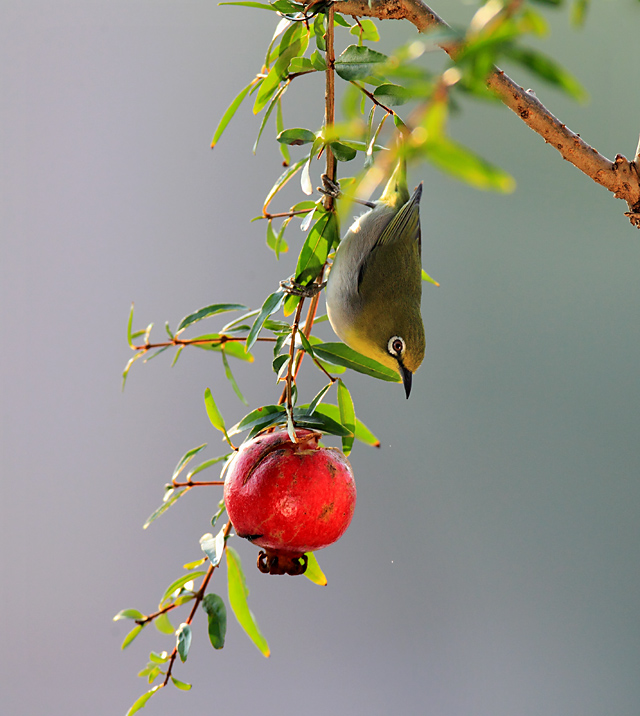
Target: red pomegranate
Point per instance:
(289, 498)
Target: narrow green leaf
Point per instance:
(272, 304)
(296, 136)
(195, 563)
(238, 593)
(255, 417)
(463, 164)
(219, 513)
(548, 70)
(426, 277)
(341, 354)
(217, 615)
(318, 398)
(153, 673)
(316, 248)
(183, 641)
(186, 459)
(174, 497)
(213, 413)
(132, 635)
(579, 10)
(231, 379)
(249, 3)
(284, 149)
(205, 465)
(183, 686)
(347, 416)
(313, 571)
(232, 325)
(142, 701)
(286, 176)
(131, 361)
(128, 614)
(213, 547)
(208, 311)
(163, 625)
(358, 62)
(177, 355)
(362, 432)
(179, 583)
(161, 658)
(273, 103)
(156, 353)
(319, 421)
(129, 325)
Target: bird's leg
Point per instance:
(297, 289)
(332, 188)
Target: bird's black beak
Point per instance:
(407, 375)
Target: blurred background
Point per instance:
(492, 566)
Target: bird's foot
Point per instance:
(297, 289)
(329, 187)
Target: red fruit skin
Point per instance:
(289, 497)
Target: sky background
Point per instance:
(492, 566)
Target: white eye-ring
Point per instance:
(396, 346)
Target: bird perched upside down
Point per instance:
(375, 284)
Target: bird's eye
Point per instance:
(396, 346)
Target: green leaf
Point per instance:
(195, 563)
(132, 635)
(318, 398)
(313, 571)
(205, 465)
(318, 421)
(313, 255)
(217, 615)
(175, 495)
(273, 103)
(426, 277)
(238, 593)
(208, 311)
(183, 641)
(179, 583)
(228, 115)
(130, 362)
(215, 416)
(548, 70)
(129, 325)
(231, 379)
(362, 432)
(347, 416)
(296, 137)
(301, 65)
(142, 701)
(579, 10)
(368, 31)
(357, 63)
(278, 363)
(256, 417)
(272, 304)
(318, 61)
(343, 152)
(181, 684)
(128, 614)
(163, 625)
(213, 547)
(286, 176)
(219, 512)
(248, 3)
(393, 95)
(186, 459)
(159, 658)
(463, 164)
(341, 354)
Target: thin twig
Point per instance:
(198, 599)
(199, 341)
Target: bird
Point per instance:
(374, 287)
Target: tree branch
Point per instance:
(621, 177)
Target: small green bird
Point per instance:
(375, 284)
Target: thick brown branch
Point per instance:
(621, 177)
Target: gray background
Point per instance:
(492, 564)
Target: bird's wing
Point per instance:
(405, 225)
